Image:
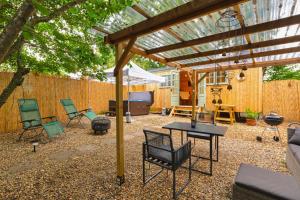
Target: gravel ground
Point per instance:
(81, 165)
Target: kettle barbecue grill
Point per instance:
(273, 120)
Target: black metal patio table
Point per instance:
(209, 129)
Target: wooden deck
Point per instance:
(184, 111)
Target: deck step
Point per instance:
(183, 111)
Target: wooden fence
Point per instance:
(280, 96)
(48, 90)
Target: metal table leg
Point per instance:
(210, 154)
(181, 137)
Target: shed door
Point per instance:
(175, 89)
(202, 92)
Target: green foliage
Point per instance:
(146, 63)
(65, 44)
(282, 73)
(251, 114)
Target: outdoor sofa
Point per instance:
(254, 183)
(293, 152)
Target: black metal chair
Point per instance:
(158, 149)
(209, 138)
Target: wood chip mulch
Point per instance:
(81, 165)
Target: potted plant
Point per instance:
(251, 117)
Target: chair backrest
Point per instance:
(159, 145)
(69, 107)
(29, 110)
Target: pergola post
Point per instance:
(194, 96)
(123, 56)
(119, 120)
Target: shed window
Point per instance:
(216, 77)
(169, 81)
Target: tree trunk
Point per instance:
(16, 81)
(13, 29)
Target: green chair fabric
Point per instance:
(69, 108)
(53, 128)
(73, 113)
(30, 114)
(90, 115)
(31, 119)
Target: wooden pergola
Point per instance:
(133, 40)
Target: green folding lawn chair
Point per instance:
(32, 121)
(73, 113)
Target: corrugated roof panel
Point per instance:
(157, 39)
(282, 46)
(157, 7)
(278, 57)
(193, 60)
(123, 19)
(276, 33)
(203, 66)
(179, 52)
(254, 12)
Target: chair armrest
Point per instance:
(155, 147)
(182, 153)
(84, 110)
(72, 113)
(186, 145)
(50, 117)
(293, 123)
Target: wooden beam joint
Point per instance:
(125, 56)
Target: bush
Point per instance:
(251, 114)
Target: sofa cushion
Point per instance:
(294, 148)
(297, 156)
(295, 139)
(275, 185)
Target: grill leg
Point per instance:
(217, 138)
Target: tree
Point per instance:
(53, 37)
(282, 73)
(146, 63)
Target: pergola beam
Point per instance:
(185, 12)
(229, 34)
(252, 65)
(238, 48)
(124, 57)
(246, 56)
(141, 52)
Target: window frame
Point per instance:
(169, 81)
(215, 79)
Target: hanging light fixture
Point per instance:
(242, 75)
(229, 20)
(216, 90)
(229, 75)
